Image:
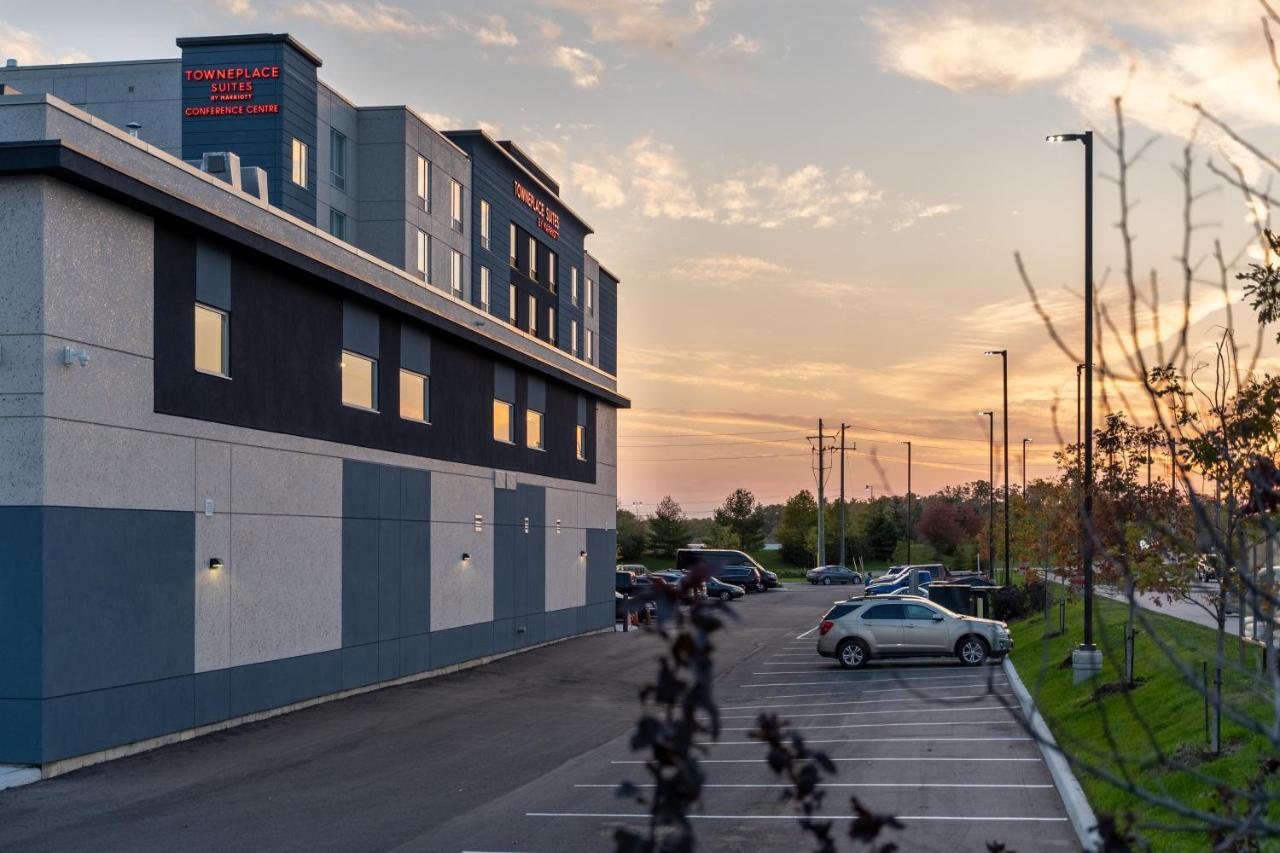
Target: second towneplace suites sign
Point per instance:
(232, 91)
(548, 219)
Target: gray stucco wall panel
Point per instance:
(21, 228)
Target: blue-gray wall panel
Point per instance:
(359, 581)
(415, 495)
(20, 602)
(212, 696)
(388, 580)
(415, 654)
(602, 548)
(531, 594)
(456, 645)
(508, 536)
(260, 686)
(561, 623)
(415, 577)
(88, 722)
(359, 489)
(119, 597)
(388, 491)
(21, 733)
(389, 660)
(359, 665)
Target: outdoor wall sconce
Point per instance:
(557, 525)
(526, 524)
(582, 553)
(465, 557)
(215, 564)
(479, 523)
(72, 356)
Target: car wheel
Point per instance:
(853, 654)
(723, 595)
(826, 581)
(973, 651)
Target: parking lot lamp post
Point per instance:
(1090, 660)
(908, 444)
(1025, 441)
(991, 492)
(1004, 373)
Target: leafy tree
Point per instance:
(632, 532)
(797, 529)
(719, 536)
(882, 534)
(668, 528)
(743, 516)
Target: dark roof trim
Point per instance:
(251, 38)
(52, 157)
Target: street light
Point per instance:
(1090, 659)
(908, 444)
(871, 491)
(1025, 441)
(991, 498)
(1004, 369)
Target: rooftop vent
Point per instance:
(253, 180)
(11, 63)
(133, 127)
(223, 165)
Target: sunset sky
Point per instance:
(813, 205)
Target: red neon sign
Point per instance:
(548, 219)
(232, 90)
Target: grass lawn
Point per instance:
(1126, 730)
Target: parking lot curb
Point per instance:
(1083, 820)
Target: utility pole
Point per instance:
(908, 444)
(822, 502)
(843, 426)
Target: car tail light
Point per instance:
(826, 626)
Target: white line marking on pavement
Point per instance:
(970, 710)
(637, 816)
(853, 785)
(916, 739)
(887, 725)
(806, 634)
(859, 681)
(929, 758)
(824, 705)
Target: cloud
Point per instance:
(603, 188)
(371, 18)
(549, 29)
(913, 212)
(961, 50)
(769, 196)
(492, 32)
(491, 128)
(728, 269)
(242, 9)
(739, 44)
(29, 48)
(661, 182)
(440, 121)
(657, 23)
(584, 67)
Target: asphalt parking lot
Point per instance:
(525, 754)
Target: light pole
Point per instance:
(1025, 442)
(1090, 661)
(1004, 373)
(908, 444)
(870, 491)
(991, 497)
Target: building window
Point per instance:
(591, 298)
(337, 159)
(533, 315)
(424, 255)
(511, 241)
(573, 286)
(580, 441)
(573, 337)
(359, 381)
(551, 325)
(338, 223)
(415, 396)
(211, 340)
(590, 345)
(551, 271)
(533, 429)
(533, 259)
(503, 421)
(455, 271)
(484, 224)
(424, 183)
(484, 288)
(455, 204)
(511, 304)
(299, 175)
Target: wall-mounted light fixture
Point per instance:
(215, 564)
(557, 525)
(479, 523)
(72, 356)
(465, 556)
(582, 553)
(526, 524)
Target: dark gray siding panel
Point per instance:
(561, 623)
(532, 587)
(20, 603)
(88, 722)
(119, 593)
(415, 495)
(608, 325)
(415, 577)
(212, 696)
(508, 551)
(359, 581)
(260, 686)
(456, 645)
(602, 546)
(359, 489)
(21, 731)
(359, 665)
(388, 580)
(415, 654)
(389, 660)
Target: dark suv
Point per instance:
(732, 567)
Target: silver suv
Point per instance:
(884, 626)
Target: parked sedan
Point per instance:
(747, 577)
(861, 629)
(828, 575)
(723, 591)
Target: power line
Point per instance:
(715, 458)
(720, 443)
(712, 434)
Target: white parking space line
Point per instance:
(792, 817)
(917, 690)
(861, 681)
(891, 725)
(970, 710)
(916, 739)
(843, 677)
(928, 758)
(827, 705)
(806, 634)
(853, 785)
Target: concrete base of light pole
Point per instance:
(1086, 663)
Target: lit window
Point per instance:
(455, 271)
(211, 340)
(511, 304)
(533, 315)
(573, 337)
(455, 203)
(415, 399)
(533, 258)
(337, 159)
(573, 285)
(484, 288)
(580, 441)
(484, 224)
(551, 325)
(590, 342)
(533, 429)
(359, 381)
(511, 242)
(591, 298)
(299, 175)
(503, 422)
(551, 271)
(424, 255)
(424, 183)
(338, 223)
